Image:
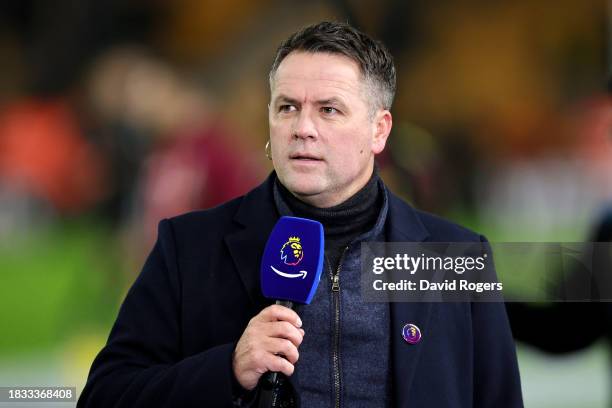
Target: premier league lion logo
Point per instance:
(291, 252)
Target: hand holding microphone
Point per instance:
(290, 271)
(269, 343)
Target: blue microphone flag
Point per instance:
(293, 260)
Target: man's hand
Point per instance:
(269, 343)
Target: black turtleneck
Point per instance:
(343, 222)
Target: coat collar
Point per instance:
(258, 214)
(403, 222)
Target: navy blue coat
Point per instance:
(175, 333)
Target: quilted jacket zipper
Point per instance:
(335, 281)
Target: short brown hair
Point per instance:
(373, 58)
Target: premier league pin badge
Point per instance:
(411, 333)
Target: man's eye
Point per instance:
(329, 110)
(286, 108)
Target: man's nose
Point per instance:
(304, 127)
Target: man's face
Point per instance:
(322, 133)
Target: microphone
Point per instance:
(293, 260)
(290, 272)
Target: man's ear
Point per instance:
(383, 121)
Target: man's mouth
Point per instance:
(305, 157)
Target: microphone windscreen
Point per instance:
(293, 260)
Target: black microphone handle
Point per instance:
(268, 392)
(286, 303)
(274, 375)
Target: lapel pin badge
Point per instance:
(411, 333)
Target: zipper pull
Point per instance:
(336, 282)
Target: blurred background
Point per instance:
(115, 114)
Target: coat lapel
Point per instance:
(257, 215)
(404, 225)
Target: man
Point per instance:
(194, 330)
